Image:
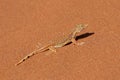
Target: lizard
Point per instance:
(70, 38)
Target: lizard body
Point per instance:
(70, 38)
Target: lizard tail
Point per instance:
(32, 53)
(26, 57)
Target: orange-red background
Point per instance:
(23, 23)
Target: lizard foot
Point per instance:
(79, 44)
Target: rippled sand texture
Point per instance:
(24, 23)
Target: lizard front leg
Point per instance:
(75, 42)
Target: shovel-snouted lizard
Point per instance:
(71, 38)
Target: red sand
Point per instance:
(24, 23)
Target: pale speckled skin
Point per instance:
(72, 35)
(61, 43)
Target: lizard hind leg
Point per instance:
(38, 45)
(52, 49)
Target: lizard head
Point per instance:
(80, 27)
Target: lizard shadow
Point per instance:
(82, 36)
